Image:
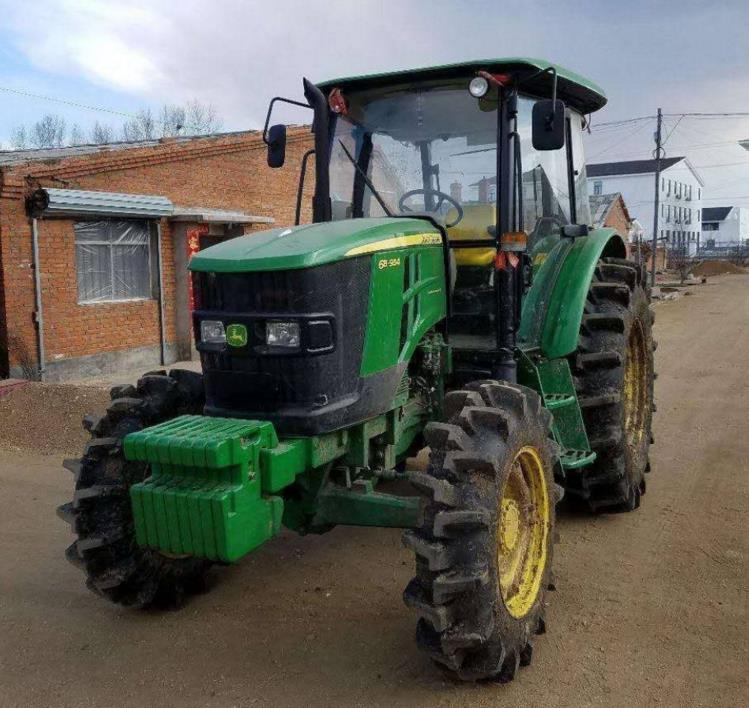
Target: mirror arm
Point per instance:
(270, 111)
(548, 70)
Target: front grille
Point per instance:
(246, 382)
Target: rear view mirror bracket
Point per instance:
(275, 136)
(548, 129)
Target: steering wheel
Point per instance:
(436, 193)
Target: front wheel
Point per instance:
(101, 515)
(483, 554)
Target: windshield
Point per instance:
(433, 149)
(437, 140)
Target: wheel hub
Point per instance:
(510, 525)
(523, 526)
(635, 389)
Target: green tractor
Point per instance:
(450, 318)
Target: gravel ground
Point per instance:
(651, 607)
(47, 417)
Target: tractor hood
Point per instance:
(313, 244)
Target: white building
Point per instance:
(724, 226)
(680, 212)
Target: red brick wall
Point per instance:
(18, 285)
(225, 174)
(617, 219)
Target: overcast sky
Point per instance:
(683, 56)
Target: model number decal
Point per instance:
(388, 263)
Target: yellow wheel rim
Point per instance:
(522, 532)
(635, 397)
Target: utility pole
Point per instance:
(658, 155)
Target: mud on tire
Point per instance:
(617, 321)
(463, 622)
(100, 513)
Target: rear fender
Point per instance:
(553, 307)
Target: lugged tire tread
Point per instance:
(116, 567)
(456, 626)
(608, 485)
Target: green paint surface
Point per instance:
(553, 308)
(579, 91)
(407, 298)
(203, 496)
(303, 246)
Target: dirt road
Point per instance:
(651, 607)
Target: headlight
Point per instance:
(478, 87)
(212, 332)
(282, 334)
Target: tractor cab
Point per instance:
(491, 151)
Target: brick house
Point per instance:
(610, 210)
(98, 282)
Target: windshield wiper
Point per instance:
(366, 179)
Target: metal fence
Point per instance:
(680, 257)
(735, 251)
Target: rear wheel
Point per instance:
(614, 381)
(101, 515)
(483, 554)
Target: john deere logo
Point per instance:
(236, 335)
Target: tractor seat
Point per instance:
(473, 226)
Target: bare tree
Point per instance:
(192, 118)
(49, 132)
(142, 127)
(101, 134)
(201, 119)
(19, 138)
(680, 261)
(77, 136)
(172, 121)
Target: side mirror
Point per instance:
(548, 125)
(276, 145)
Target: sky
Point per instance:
(686, 56)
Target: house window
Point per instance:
(113, 260)
(699, 193)
(597, 188)
(698, 214)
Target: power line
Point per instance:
(619, 142)
(66, 102)
(737, 114)
(671, 132)
(622, 122)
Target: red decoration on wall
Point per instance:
(193, 246)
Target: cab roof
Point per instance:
(575, 90)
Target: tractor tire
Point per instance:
(614, 374)
(489, 505)
(100, 514)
